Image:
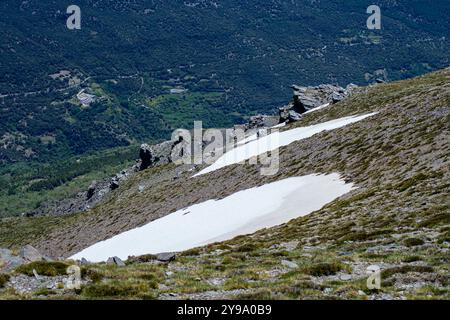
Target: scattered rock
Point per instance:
(116, 261)
(328, 290)
(289, 264)
(373, 268)
(216, 281)
(385, 248)
(294, 116)
(289, 246)
(345, 277)
(25, 285)
(166, 257)
(361, 293)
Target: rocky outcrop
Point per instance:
(308, 98)
(146, 156)
(31, 254)
(91, 190)
(9, 261)
(261, 121)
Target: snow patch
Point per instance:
(252, 147)
(243, 212)
(318, 108)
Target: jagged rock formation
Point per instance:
(261, 121)
(116, 261)
(91, 190)
(145, 153)
(308, 98)
(10, 260)
(163, 153)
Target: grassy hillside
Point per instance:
(398, 217)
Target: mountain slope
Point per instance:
(235, 58)
(397, 218)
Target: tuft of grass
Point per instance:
(323, 269)
(408, 183)
(44, 292)
(405, 269)
(4, 278)
(141, 259)
(192, 252)
(44, 268)
(115, 289)
(442, 218)
(364, 236)
(263, 294)
(413, 242)
(410, 259)
(94, 275)
(247, 247)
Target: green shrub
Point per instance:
(44, 268)
(246, 247)
(44, 292)
(92, 274)
(412, 242)
(193, 252)
(405, 269)
(364, 236)
(412, 259)
(141, 259)
(323, 269)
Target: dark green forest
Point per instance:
(235, 58)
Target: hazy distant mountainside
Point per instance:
(394, 217)
(153, 66)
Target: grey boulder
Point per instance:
(9, 261)
(289, 264)
(116, 261)
(31, 254)
(166, 256)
